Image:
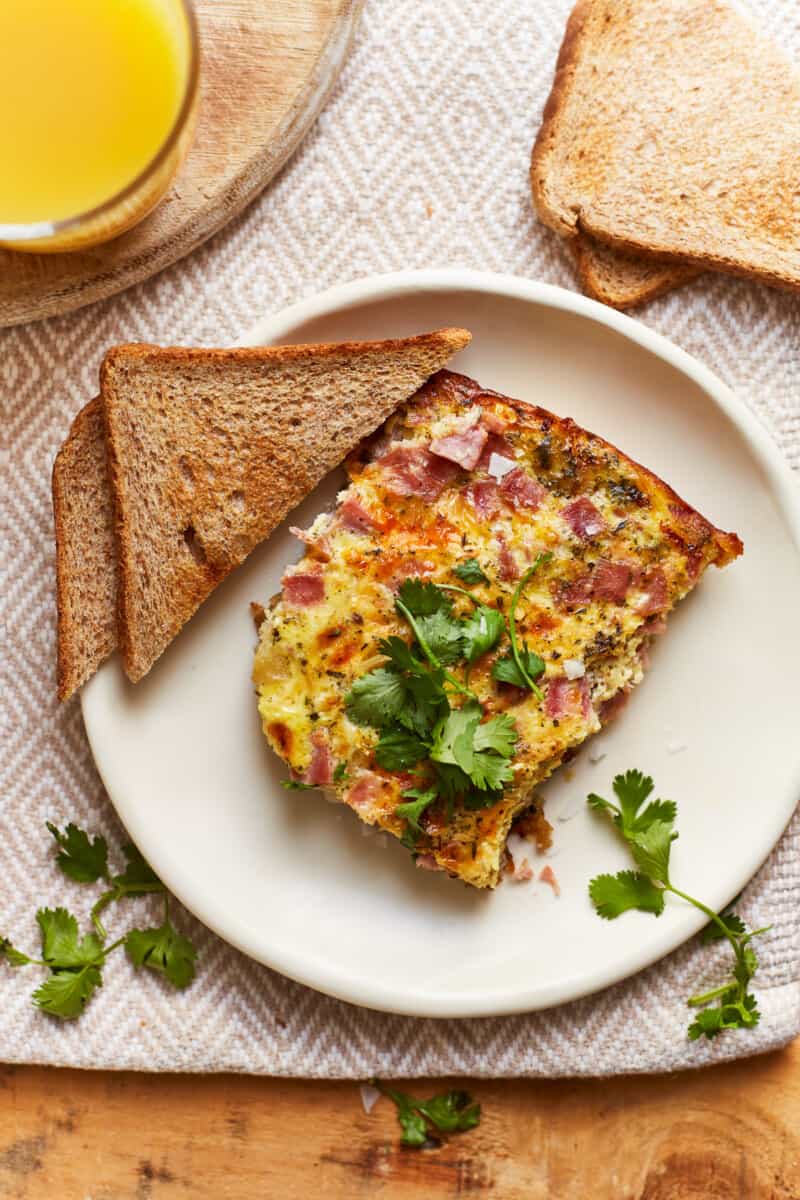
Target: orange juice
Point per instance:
(90, 92)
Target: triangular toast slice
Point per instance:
(467, 489)
(374, 378)
(210, 449)
(671, 133)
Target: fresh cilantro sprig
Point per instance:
(439, 635)
(649, 832)
(423, 1120)
(470, 571)
(75, 962)
(522, 666)
(408, 699)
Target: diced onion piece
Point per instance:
(369, 1097)
(574, 668)
(499, 465)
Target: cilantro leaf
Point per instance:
(470, 571)
(377, 698)
(81, 858)
(418, 800)
(713, 933)
(165, 950)
(615, 894)
(453, 736)
(651, 849)
(297, 785)
(443, 636)
(453, 783)
(631, 789)
(340, 774)
(707, 1023)
(398, 749)
(449, 1112)
(423, 599)
(14, 957)
(481, 631)
(138, 876)
(490, 772)
(730, 1013)
(65, 994)
(400, 654)
(498, 734)
(426, 702)
(62, 945)
(506, 669)
(480, 751)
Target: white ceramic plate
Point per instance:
(294, 882)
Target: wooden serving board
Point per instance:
(267, 67)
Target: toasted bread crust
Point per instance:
(85, 557)
(178, 537)
(549, 130)
(622, 280)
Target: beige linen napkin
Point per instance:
(420, 159)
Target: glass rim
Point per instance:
(32, 231)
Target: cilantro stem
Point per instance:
(452, 587)
(512, 624)
(707, 997)
(117, 893)
(737, 943)
(431, 657)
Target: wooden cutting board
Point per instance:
(267, 67)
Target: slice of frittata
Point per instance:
(479, 602)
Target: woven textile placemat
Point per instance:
(420, 159)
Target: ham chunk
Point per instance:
(507, 568)
(320, 769)
(583, 519)
(611, 581)
(654, 587)
(462, 448)
(521, 491)
(303, 589)
(484, 497)
(567, 697)
(353, 515)
(414, 471)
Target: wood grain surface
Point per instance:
(267, 67)
(726, 1133)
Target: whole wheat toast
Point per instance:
(210, 450)
(671, 133)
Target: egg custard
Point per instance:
(478, 604)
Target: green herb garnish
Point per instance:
(470, 571)
(649, 833)
(458, 754)
(422, 1120)
(76, 961)
(522, 666)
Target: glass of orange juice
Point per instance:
(97, 106)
